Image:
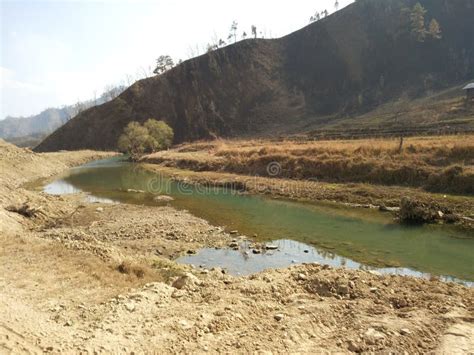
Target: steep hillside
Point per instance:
(342, 66)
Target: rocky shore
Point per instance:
(100, 278)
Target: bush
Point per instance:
(137, 140)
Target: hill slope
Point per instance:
(341, 66)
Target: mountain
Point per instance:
(29, 131)
(42, 123)
(342, 66)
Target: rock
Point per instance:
(68, 323)
(405, 331)
(278, 317)
(99, 209)
(130, 307)
(354, 347)
(373, 336)
(256, 251)
(306, 251)
(342, 288)
(440, 214)
(163, 198)
(234, 232)
(186, 281)
(271, 247)
(233, 245)
(373, 289)
(135, 191)
(302, 277)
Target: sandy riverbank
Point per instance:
(78, 276)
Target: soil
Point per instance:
(100, 278)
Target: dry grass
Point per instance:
(439, 164)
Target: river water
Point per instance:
(303, 232)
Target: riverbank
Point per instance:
(336, 171)
(80, 276)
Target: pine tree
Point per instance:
(417, 18)
(434, 29)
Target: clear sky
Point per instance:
(57, 52)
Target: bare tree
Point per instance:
(112, 91)
(163, 64)
(254, 31)
(336, 5)
(233, 30)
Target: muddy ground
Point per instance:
(78, 276)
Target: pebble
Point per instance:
(129, 307)
(278, 316)
(302, 277)
(271, 247)
(405, 331)
(99, 209)
(373, 336)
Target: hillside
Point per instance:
(343, 66)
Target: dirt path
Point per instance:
(98, 278)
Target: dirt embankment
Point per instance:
(82, 277)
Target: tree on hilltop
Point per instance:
(163, 64)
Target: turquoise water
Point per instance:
(325, 233)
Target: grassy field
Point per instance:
(437, 164)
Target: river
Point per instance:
(303, 232)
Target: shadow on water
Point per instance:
(331, 234)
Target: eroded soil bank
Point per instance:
(79, 276)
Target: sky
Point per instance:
(58, 52)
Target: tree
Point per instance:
(336, 5)
(254, 31)
(222, 43)
(163, 64)
(417, 19)
(161, 135)
(244, 35)
(137, 140)
(134, 140)
(233, 31)
(434, 29)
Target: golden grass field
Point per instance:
(434, 163)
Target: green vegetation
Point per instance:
(137, 140)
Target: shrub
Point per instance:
(137, 140)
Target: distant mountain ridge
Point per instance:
(339, 67)
(34, 128)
